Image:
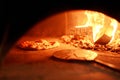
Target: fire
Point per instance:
(95, 19)
(101, 24)
(114, 24)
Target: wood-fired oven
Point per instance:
(46, 27)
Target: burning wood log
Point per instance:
(104, 39)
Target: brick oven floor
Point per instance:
(40, 65)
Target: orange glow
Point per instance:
(114, 24)
(101, 24)
(95, 24)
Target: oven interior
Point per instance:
(100, 25)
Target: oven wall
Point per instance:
(58, 24)
(51, 26)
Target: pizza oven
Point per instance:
(90, 27)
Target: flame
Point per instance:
(114, 24)
(95, 19)
(100, 24)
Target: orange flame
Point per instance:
(114, 24)
(96, 20)
(101, 24)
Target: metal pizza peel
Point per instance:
(111, 60)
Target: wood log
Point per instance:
(104, 39)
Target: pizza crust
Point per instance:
(75, 54)
(38, 44)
